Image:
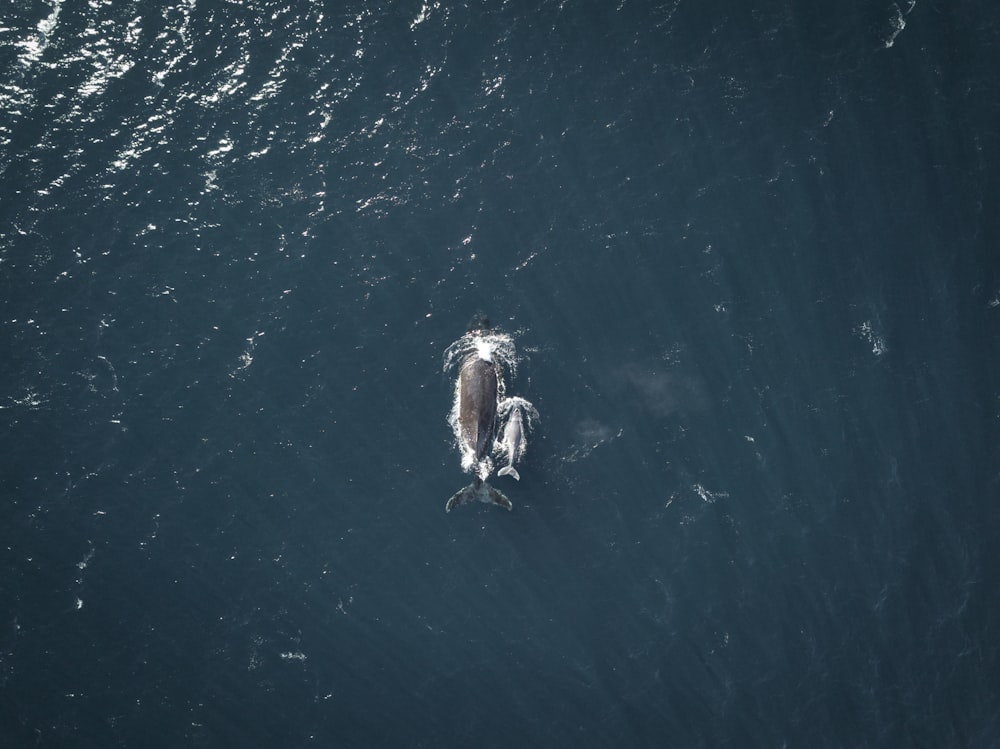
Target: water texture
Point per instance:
(749, 256)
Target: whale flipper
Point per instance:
(497, 497)
(460, 498)
(509, 471)
(481, 492)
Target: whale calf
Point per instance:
(514, 441)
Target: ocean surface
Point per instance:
(749, 253)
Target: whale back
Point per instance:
(477, 405)
(513, 435)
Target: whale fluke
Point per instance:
(509, 471)
(479, 491)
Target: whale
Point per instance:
(474, 414)
(513, 442)
(477, 409)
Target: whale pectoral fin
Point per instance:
(497, 497)
(461, 497)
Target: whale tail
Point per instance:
(478, 491)
(509, 471)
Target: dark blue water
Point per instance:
(749, 254)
